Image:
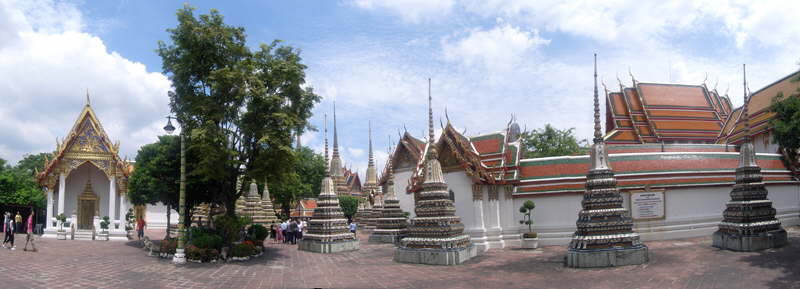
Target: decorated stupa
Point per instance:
(374, 214)
(749, 222)
(360, 217)
(605, 235)
(266, 206)
(250, 205)
(436, 235)
(328, 231)
(391, 224)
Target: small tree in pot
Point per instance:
(61, 234)
(104, 228)
(530, 239)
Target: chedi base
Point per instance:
(327, 248)
(444, 257)
(611, 257)
(743, 243)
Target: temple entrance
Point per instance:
(86, 214)
(87, 208)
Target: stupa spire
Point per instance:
(327, 165)
(335, 134)
(748, 222)
(371, 157)
(430, 113)
(604, 235)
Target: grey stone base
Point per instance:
(384, 238)
(335, 247)
(435, 256)
(740, 243)
(607, 257)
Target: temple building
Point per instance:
(689, 174)
(87, 180)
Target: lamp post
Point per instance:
(180, 257)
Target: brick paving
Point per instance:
(686, 263)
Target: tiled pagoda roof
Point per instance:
(656, 112)
(758, 109)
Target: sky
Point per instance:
(488, 59)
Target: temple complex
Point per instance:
(604, 235)
(749, 222)
(346, 182)
(391, 224)
(328, 231)
(436, 235)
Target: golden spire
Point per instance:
(88, 102)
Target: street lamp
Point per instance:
(180, 257)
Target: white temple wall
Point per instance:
(509, 218)
(76, 183)
(156, 216)
(763, 144)
(689, 212)
(406, 200)
(461, 185)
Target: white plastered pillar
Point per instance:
(112, 200)
(49, 220)
(478, 232)
(62, 184)
(494, 230)
(122, 211)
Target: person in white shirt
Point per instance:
(284, 227)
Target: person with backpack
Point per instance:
(29, 238)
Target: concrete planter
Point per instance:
(102, 236)
(530, 243)
(61, 235)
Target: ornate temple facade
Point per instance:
(86, 180)
(690, 178)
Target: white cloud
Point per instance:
(355, 152)
(497, 50)
(46, 69)
(410, 10)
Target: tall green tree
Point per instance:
(238, 107)
(311, 170)
(18, 183)
(786, 126)
(349, 206)
(550, 142)
(156, 177)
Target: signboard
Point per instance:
(647, 204)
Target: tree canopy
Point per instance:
(238, 108)
(349, 206)
(550, 142)
(18, 183)
(786, 126)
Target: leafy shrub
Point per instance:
(194, 253)
(261, 233)
(242, 250)
(229, 227)
(104, 223)
(168, 246)
(207, 241)
(210, 254)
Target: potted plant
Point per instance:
(530, 239)
(61, 234)
(104, 229)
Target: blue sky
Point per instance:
(488, 59)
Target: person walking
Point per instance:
(18, 222)
(279, 234)
(29, 237)
(6, 225)
(140, 224)
(293, 232)
(284, 229)
(299, 234)
(353, 227)
(10, 233)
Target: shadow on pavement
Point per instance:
(785, 260)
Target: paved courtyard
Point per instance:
(687, 263)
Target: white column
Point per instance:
(62, 183)
(112, 199)
(122, 211)
(477, 207)
(49, 220)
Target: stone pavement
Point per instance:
(686, 263)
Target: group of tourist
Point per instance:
(11, 227)
(288, 232)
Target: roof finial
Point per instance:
(633, 79)
(327, 170)
(88, 102)
(335, 135)
(598, 136)
(430, 113)
(745, 113)
(371, 158)
(705, 79)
